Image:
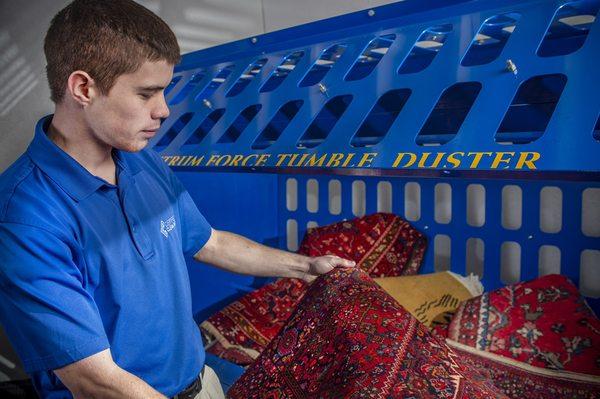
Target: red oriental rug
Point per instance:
(348, 338)
(536, 339)
(544, 323)
(384, 245)
(520, 380)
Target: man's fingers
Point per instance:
(344, 262)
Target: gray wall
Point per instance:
(24, 95)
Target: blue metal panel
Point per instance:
(566, 144)
(560, 125)
(225, 200)
(570, 240)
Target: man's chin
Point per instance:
(135, 147)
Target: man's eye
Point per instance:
(145, 96)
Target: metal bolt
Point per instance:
(371, 13)
(511, 67)
(207, 103)
(322, 88)
(529, 237)
(254, 40)
(426, 228)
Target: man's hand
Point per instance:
(240, 255)
(324, 264)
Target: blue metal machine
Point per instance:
(478, 121)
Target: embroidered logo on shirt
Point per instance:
(166, 227)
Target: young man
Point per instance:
(95, 294)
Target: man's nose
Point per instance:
(162, 109)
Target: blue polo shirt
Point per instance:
(86, 265)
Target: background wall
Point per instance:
(24, 94)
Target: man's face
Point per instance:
(130, 114)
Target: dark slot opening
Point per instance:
(427, 46)
(449, 114)
(325, 121)
(569, 28)
(174, 130)
(215, 83)
(237, 127)
(188, 88)
(246, 77)
(282, 71)
(277, 124)
(205, 127)
(490, 39)
(381, 117)
(370, 57)
(325, 62)
(596, 133)
(531, 109)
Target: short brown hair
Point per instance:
(106, 39)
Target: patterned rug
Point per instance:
(544, 323)
(349, 339)
(381, 244)
(536, 339)
(518, 380)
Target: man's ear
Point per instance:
(81, 88)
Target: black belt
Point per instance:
(193, 389)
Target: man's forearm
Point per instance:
(121, 385)
(241, 255)
(98, 376)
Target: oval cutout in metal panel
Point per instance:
(475, 205)
(590, 212)
(335, 197)
(548, 260)
(291, 194)
(510, 262)
(292, 235)
(589, 273)
(512, 207)
(312, 195)
(359, 206)
(551, 200)
(475, 256)
(441, 250)
(384, 197)
(443, 203)
(412, 201)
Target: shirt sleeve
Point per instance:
(196, 230)
(48, 315)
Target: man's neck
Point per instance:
(73, 136)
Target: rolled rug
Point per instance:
(349, 338)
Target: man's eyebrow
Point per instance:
(150, 88)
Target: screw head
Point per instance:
(371, 13)
(254, 40)
(511, 66)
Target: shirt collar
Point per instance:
(73, 178)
